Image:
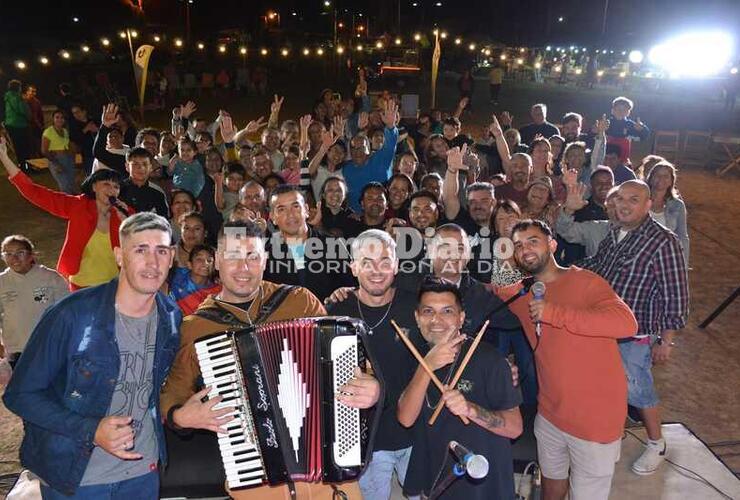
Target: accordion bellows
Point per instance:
(281, 379)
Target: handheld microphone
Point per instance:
(115, 203)
(475, 466)
(538, 291)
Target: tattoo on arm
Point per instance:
(488, 418)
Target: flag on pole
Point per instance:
(141, 64)
(435, 69)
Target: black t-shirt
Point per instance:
(487, 382)
(531, 130)
(144, 198)
(392, 355)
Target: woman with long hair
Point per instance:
(332, 213)
(400, 188)
(668, 208)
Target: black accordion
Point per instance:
(281, 379)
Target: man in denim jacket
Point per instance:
(87, 384)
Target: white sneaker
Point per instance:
(651, 458)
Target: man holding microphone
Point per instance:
(582, 402)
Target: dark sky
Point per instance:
(25, 24)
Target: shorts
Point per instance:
(637, 360)
(588, 466)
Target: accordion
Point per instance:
(281, 379)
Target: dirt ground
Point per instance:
(699, 386)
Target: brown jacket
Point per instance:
(181, 382)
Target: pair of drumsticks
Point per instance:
(429, 371)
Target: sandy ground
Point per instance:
(698, 386)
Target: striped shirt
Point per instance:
(647, 270)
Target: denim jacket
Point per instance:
(64, 381)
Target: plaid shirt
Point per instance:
(648, 271)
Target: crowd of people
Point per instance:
(347, 210)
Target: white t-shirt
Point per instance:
(23, 299)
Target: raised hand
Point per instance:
(328, 138)
(188, 109)
(390, 114)
(602, 125)
(638, 124)
(362, 120)
(305, 121)
(495, 127)
(455, 159)
(255, 125)
(3, 147)
(110, 115)
(463, 103)
(570, 177)
(507, 119)
(227, 129)
(339, 123)
(576, 197)
(277, 103)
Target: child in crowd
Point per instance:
(227, 191)
(187, 172)
(622, 129)
(292, 171)
(190, 285)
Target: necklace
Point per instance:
(446, 381)
(259, 292)
(362, 316)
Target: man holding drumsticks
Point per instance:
(483, 394)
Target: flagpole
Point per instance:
(133, 67)
(435, 68)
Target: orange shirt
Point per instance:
(582, 384)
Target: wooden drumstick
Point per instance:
(421, 361)
(460, 370)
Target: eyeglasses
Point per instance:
(20, 254)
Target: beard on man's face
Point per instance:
(532, 263)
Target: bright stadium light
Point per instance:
(694, 54)
(636, 56)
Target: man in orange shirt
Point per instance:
(582, 403)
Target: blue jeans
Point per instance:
(375, 482)
(638, 362)
(514, 341)
(144, 487)
(63, 171)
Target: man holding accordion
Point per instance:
(246, 300)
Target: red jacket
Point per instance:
(80, 211)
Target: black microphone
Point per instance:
(475, 466)
(538, 291)
(115, 203)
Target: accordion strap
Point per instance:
(219, 314)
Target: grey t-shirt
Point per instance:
(136, 343)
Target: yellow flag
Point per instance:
(141, 64)
(435, 69)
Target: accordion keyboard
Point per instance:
(239, 451)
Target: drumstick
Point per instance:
(421, 361)
(459, 372)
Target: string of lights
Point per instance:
(551, 55)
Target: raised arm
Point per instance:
(501, 146)
(451, 185)
(274, 120)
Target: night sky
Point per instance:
(30, 24)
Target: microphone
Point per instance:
(538, 291)
(115, 203)
(475, 466)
